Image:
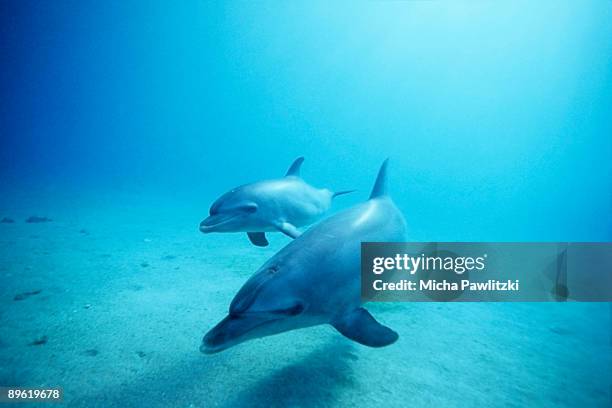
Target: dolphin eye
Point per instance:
(250, 208)
(290, 311)
(294, 310)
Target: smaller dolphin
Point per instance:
(316, 279)
(270, 205)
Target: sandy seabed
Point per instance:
(110, 301)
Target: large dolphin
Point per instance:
(315, 279)
(270, 205)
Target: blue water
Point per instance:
(123, 121)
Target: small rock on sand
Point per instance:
(25, 295)
(562, 331)
(35, 219)
(39, 342)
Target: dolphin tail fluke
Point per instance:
(294, 169)
(380, 186)
(360, 326)
(337, 193)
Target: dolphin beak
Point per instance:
(206, 226)
(212, 223)
(231, 331)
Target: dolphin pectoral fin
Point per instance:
(258, 238)
(360, 326)
(288, 229)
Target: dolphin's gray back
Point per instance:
(291, 196)
(323, 265)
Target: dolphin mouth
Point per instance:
(232, 330)
(214, 222)
(206, 349)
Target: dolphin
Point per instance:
(270, 205)
(315, 280)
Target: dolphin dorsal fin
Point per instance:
(380, 186)
(294, 170)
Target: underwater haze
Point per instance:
(121, 122)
